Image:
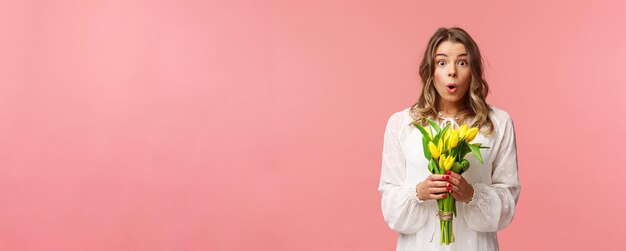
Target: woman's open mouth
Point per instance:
(451, 88)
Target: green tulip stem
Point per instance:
(442, 228)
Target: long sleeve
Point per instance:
(493, 206)
(401, 208)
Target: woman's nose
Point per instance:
(452, 72)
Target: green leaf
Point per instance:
(481, 146)
(443, 131)
(431, 166)
(453, 152)
(436, 168)
(434, 125)
(425, 141)
(439, 135)
(464, 149)
(476, 151)
(422, 129)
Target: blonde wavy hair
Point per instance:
(476, 109)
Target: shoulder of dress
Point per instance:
(406, 113)
(499, 115)
(399, 119)
(402, 115)
(500, 118)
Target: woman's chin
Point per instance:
(451, 98)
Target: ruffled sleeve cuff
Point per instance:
(413, 194)
(483, 210)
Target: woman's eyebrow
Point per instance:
(443, 54)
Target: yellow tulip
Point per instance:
(462, 131)
(453, 140)
(442, 161)
(445, 136)
(471, 134)
(434, 151)
(446, 162)
(440, 146)
(452, 130)
(449, 162)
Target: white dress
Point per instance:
(496, 188)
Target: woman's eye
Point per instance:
(441, 63)
(463, 63)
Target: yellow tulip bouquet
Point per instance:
(446, 151)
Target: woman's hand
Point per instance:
(461, 190)
(434, 187)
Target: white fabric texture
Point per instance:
(495, 182)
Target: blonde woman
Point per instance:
(453, 93)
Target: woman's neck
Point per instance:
(450, 109)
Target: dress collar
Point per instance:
(446, 120)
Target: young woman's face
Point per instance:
(452, 72)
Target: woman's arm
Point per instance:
(401, 208)
(493, 206)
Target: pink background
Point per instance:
(257, 125)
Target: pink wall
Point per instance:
(257, 125)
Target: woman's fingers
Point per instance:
(456, 181)
(437, 196)
(439, 184)
(454, 187)
(435, 186)
(436, 190)
(436, 177)
(455, 178)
